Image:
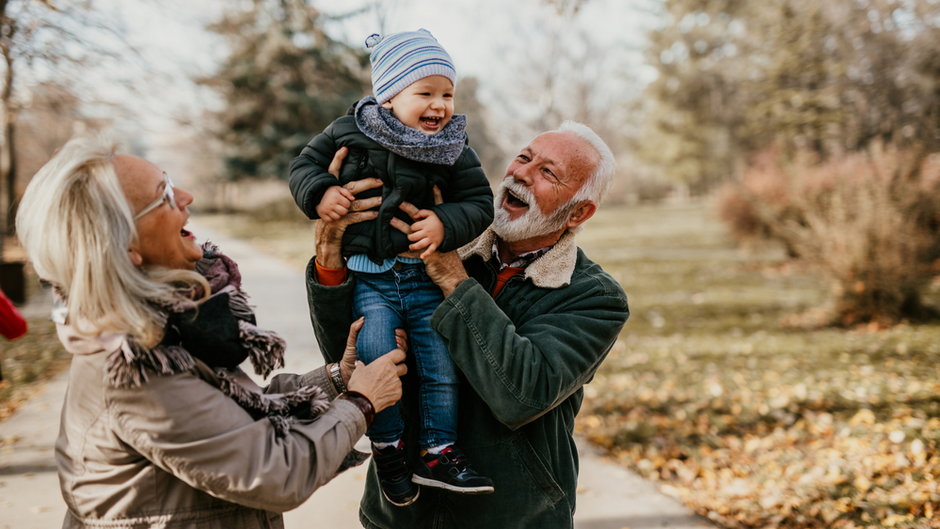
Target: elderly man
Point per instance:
(527, 317)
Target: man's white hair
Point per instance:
(599, 181)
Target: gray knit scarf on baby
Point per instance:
(380, 126)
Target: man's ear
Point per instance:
(135, 257)
(581, 214)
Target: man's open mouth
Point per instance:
(513, 200)
(185, 233)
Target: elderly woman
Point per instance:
(160, 428)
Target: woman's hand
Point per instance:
(380, 381)
(329, 233)
(348, 363)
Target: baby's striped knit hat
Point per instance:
(400, 59)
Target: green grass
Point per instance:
(714, 392)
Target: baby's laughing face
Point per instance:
(426, 104)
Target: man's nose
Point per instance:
(522, 174)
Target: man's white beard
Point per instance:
(533, 223)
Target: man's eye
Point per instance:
(522, 157)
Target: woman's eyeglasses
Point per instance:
(168, 197)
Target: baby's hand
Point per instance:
(335, 203)
(427, 232)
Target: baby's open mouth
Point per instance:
(431, 122)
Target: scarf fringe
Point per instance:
(238, 303)
(130, 364)
(266, 348)
(307, 402)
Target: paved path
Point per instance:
(609, 496)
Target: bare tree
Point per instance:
(40, 40)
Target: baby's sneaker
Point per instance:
(450, 470)
(394, 476)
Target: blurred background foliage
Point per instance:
(775, 217)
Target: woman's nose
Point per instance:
(183, 197)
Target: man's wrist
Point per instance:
(329, 257)
(450, 286)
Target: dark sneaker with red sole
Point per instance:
(451, 471)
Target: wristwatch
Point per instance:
(337, 378)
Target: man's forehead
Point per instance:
(561, 148)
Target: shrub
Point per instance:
(868, 221)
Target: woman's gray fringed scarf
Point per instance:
(221, 332)
(380, 126)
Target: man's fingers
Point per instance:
(400, 225)
(360, 216)
(358, 186)
(431, 248)
(365, 203)
(337, 162)
(410, 209)
(438, 197)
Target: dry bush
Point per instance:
(868, 221)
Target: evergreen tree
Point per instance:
(284, 81)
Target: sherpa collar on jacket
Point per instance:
(552, 270)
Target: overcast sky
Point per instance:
(487, 39)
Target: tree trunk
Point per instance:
(8, 29)
(9, 170)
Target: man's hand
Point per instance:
(329, 231)
(445, 269)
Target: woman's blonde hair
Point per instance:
(76, 226)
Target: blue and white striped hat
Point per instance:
(400, 59)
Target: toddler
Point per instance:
(408, 136)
